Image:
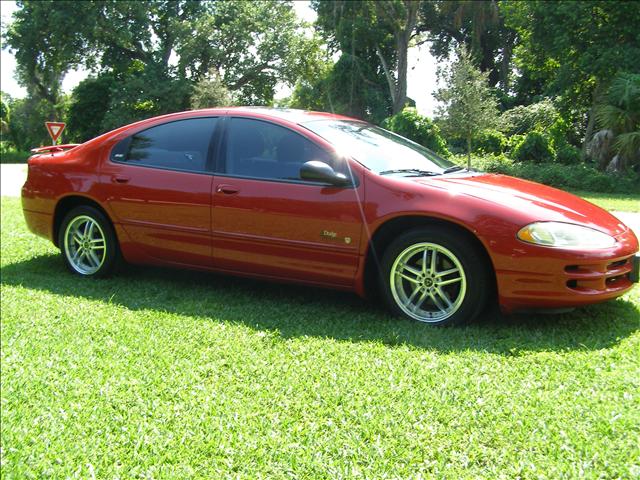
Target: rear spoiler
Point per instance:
(54, 148)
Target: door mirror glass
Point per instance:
(316, 171)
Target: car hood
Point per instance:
(536, 201)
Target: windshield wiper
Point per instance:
(415, 171)
(455, 168)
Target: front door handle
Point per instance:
(227, 189)
(119, 179)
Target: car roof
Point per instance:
(289, 114)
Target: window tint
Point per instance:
(181, 145)
(265, 150)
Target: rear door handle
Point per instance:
(227, 189)
(119, 179)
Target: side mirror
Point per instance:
(317, 171)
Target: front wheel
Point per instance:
(88, 242)
(435, 276)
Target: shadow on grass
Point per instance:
(295, 311)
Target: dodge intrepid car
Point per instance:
(327, 201)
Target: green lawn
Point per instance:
(624, 202)
(171, 374)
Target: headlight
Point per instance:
(567, 235)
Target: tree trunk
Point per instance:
(398, 85)
(469, 153)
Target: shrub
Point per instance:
(490, 141)
(535, 147)
(568, 155)
(575, 177)
(512, 142)
(410, 124)
(11, 155)
(523, 119)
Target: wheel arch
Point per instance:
(382, 237)
(66, 204)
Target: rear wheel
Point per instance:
(435, 276)
(88, 242)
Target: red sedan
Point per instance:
(328, 201)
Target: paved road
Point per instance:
(13, 177)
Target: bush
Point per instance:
(8, 154)
(90, 102)
(535, 147)
(490, 141)
(575, 177)
(211, 92)
(568, 155)
(521, 119)
(410, 124)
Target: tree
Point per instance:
(155, 52)
(211, 92)
(373, 38)
(5, 113)
(46, 40)
(619, 112)
(468, 105)
(400, 18)
(574, 49)
(410, 124)
(250, 45)
(90, 102)
(479, 25)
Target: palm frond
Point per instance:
(628, 145)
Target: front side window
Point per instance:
(181, 145)
(264, 150)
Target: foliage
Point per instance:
(572, 50)
(210, 92)
(535, 147)
(620, 113)
(189, 375)
(26, 124)
(91, 100)
(479, 25)
(5, 114)
(143, 92)
(251, 45)
(8, 154)
(468, 105)
(46, 41)
(490, 141)
(568, 155)
(356, 85)
(410, 124)
(570, 177)
(525, 118)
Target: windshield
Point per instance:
(378, 149)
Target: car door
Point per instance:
(267, 221)
(160, 190)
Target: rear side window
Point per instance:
(264, 150)
(181, 145)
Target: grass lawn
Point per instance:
(171, 374)
(623, 202)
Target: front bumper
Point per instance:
(544, 278)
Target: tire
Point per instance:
(414, 289)
(88, 242)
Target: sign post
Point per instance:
(55, 130)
